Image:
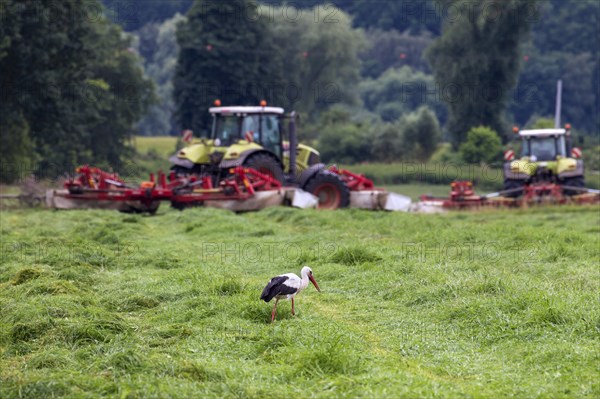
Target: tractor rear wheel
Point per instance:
(510, 184)
(266, 164)
(573, 182)
(330, 189)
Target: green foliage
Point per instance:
(397, 92)
(570, 27)
(222, 55)
(592, 159)
(421, 133)
(388, 142)
(319, 59)
(536, 93)
(475, 69)
(125, 98)
(79, 111)
(482, 146)
(445, 154)
(135, 14)
(400, 15)
(413, 137)
(393, 49)
(16, 150)
(564, 46)
(157, 44)
(543, 123)
(342, 140)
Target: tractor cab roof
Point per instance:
(236, 110)
(542, 132)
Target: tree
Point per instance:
(399, 91)
(157, 43)
(392, 49)
(476, 62)
(341, 139)
(133, 15)
(81, 109)
(224, 54)
(536, 92)
(402, 15)
(420, 133)
(320, 59)
(543, 123)
(388, 143)
(16, 150)
(483, 145)
(415, 136)
(120, 92)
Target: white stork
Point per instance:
(287, 286)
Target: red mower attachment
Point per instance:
(244, 189)
(364, 194)
(462, 196)
(354, 181)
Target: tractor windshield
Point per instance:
(226, 129)
(544, 148)
(270, 134)
(262, 129)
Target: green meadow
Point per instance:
(485, 304)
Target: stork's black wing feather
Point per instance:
(276, 287)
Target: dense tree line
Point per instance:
(71, 87)
(564, 44)
(75, 87)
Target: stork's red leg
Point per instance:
(274, 312)
(293, 310)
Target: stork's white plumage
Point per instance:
(287, 286)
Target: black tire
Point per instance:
(510, 184)
(267, 164)
(330, 189)
(181, 171)
(578, 181)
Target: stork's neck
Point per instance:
(304, 274)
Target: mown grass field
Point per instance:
(488, 304)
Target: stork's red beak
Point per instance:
(312, 280)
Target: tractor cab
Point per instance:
(543, 144)
(260, 125)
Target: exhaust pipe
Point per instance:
(293, 145)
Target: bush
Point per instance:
(414, 137)
(421, 133)
(341, 139)
(387, 142)
(445, 154)
(483, 145)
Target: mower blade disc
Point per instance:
(260, 200)
(301, 199)
(394, 202)
(379, 200)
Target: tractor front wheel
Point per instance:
(510, 184)
(266, 164)
(573, 182)
(330, 189)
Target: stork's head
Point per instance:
(307, 271)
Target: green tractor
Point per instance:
(254, 137)
(547, 155)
